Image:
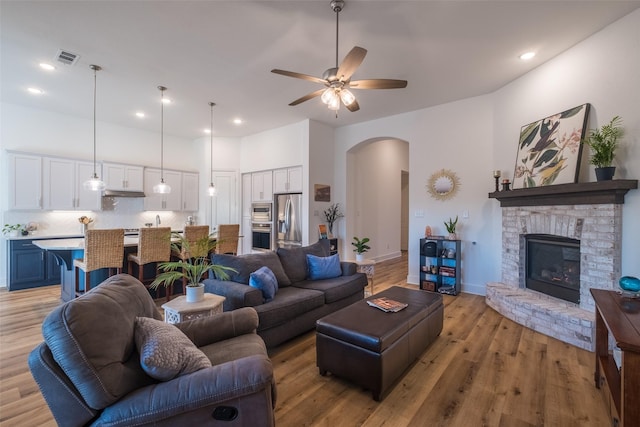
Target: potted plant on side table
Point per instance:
(194, 267)
(361, 247)
(603, 143)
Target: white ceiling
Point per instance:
(223, 51)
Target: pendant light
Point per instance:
(94, 183)
(162, 187)
(212, 188)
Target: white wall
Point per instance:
(275, 148)
(321, 171)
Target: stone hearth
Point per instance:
(598, 227)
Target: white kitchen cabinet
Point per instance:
(162, 202)
(123, 177)
(262, 186)
(287, 180)
(63, 187)
(190, 191)
(25, 181)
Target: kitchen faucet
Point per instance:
(157, 220)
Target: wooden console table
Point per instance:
(619, 316)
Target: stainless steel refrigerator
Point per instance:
(288, 220)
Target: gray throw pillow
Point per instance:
(166, 352)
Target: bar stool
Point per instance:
(192, 233)
(154, 246)
(102, 249)
(228, 239)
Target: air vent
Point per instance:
(67, 57)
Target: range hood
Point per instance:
(122, 193)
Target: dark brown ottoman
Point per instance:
(373, 348)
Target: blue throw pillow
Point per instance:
(264, 279)
(323, 267)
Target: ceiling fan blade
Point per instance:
(350, 63)
(378, 84)
(353, 106)
(299, 76)
(307, 97)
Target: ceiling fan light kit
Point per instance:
(338, 79)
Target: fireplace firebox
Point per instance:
(553, 266)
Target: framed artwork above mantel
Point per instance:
(549, 150)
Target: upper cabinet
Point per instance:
(190, 191)
(183, 195)
(63, 187)
(262, 186)
(123, 177)
(25, 181)
(287, 180)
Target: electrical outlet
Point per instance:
(419, 214)
(465, 214)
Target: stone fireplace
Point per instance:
(588, 214)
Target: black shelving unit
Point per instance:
(440, 262)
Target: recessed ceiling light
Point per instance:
(35, 90)
(527, 55)
(166, 100)
(46, 66)
(237, 121)
(207, 131)
(140, 114)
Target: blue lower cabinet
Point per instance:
(30, 266)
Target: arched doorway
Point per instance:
(377, 170)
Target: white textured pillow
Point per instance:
(166, 352)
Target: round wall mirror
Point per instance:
(443, 184)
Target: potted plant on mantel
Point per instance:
(603, 143)
(194, 268)
(331, 215)
(361, 247)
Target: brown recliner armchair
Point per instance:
(89, 369)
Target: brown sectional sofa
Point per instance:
(299, 301)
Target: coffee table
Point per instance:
(373, 348)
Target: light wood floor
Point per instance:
(484, 370)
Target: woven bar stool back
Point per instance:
(154, 246)
(102, 249)
(193, 233)
(228, 239)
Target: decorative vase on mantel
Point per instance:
(605, 173)
(452, 236)
(195, 293)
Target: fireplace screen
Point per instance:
(553, 266)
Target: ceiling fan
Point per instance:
(337, 80)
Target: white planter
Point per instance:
(195, 293)
(359, 257)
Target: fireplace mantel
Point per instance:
(588, 193)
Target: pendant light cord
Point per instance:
(162, 89)
(212, 104)
(95, 91)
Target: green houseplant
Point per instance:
(360, 247)
(603, 143)
(194, 267)
(451, 228)
(13, 229)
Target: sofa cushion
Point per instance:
(323, 267)
(91, 338)
(337, 288)
(264, 279)
(294, 260)
(165, 352)
(247, 264)
(289, 303)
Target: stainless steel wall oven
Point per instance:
(261, 227)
